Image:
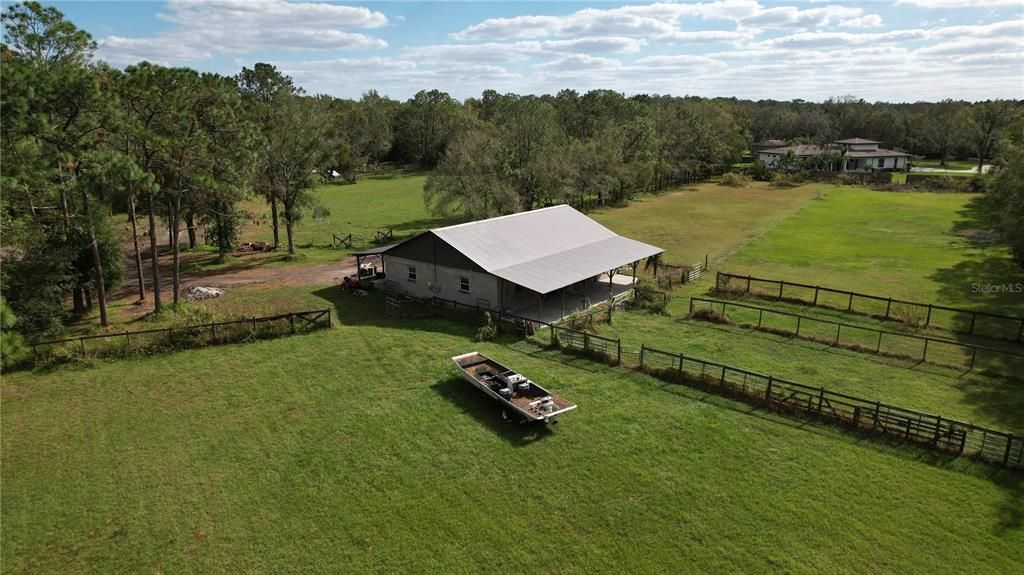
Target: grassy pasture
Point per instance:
(358, 449)
(361, 209)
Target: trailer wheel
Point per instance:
(505, 416)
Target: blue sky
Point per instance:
(892, 50)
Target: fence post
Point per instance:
(974, 355)
(878, 407)
(928, 320)
(552, 336)
(924, 355)
(888, 306)
(856, 416)
(849, 306)
(821, 398)
(798, 326)
(586, 341)
(718, 282)
(328, 317)
(748, 284)
(839, 326)
(974, 317)
(721, 380)
(641, 355)
(816, 288)
(618, 349)
(760, 315)
(691, 306)
(291, 321)
(705, 261)
(938, 429)
(768, 390)
(878, 348)
(254, 325)
(781, 284)
(81, 340)
(1006, 455)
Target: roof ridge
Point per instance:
(525, 212)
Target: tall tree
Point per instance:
(300, 140)
(263, 88)
(986, 121)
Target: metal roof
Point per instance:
(374, 251)
(544, 250)
(879, 153)
(856, 141)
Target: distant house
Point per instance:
(758, 147)
(543, 263)
(850, 155)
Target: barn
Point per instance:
(542, 264)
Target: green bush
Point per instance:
(12, 346)
(488, 330)
(734, 180)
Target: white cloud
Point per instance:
(202, 29)
(960, 3)
(869, 21)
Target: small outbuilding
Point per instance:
(541, 264)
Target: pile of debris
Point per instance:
(197, 293)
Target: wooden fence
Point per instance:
(930, 430)
(182, 337)
(925, 429)
(668, 275)
(940, 351)
(978, 323)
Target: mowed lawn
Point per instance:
(706, 219)
(359, 449)
(907, 245)
(360, 209)
(915, 246)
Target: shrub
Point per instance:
(734, 180)
(12, 347)
(488, 330)
(708, 314)
(649, 297)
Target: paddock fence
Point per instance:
(794, 399)
(182, 337)
(945, 352)
(926, 429)
(918, 314)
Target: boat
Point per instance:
(520, 398)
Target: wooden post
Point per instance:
(974, 355)
(721, 380)
(878, 348)
(888, 306)
(938, 429)
(1006, 454)
(760, 315)
(768, 390)
(838, 327)
(816, 288)
(586, 341)
(291, 320)
(780, 289)
(821, 398)
(856, 416)
(974, 317)
(81, 340)
(849, 306)
(798, 326)
(924, 355)
(748, 284)
(928, 320)
(642, 349)
(552, 336)
(618, 351)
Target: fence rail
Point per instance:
(979, 323)
(868, 339)
(935, 431)
(185, 336)
(926, 429)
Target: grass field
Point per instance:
(359, 450)
(361, 209)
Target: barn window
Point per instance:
(464, 284)
(412, 273)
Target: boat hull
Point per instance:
(512, 391)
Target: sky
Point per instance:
(883, 50)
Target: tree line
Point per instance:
(172, 150)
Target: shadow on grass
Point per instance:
(487, 412)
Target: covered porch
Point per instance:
(553, 306)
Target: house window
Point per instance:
(881, 162)
(412, 273)
(464, 284)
